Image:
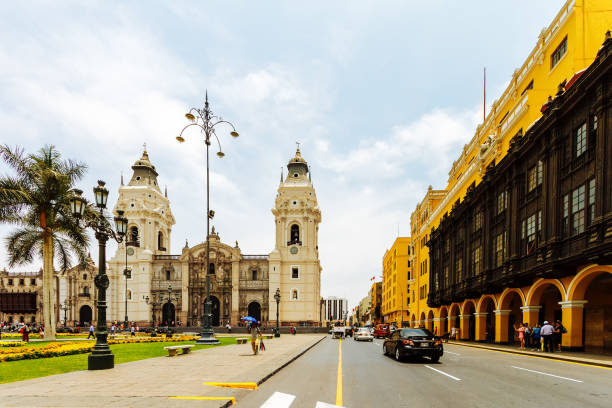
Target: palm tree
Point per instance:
(36, 199)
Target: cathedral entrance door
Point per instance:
(168, 314)
(255, 310)
(85, 315)
(215, 310)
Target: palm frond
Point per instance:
(16, 159)
(61, 249)
(22, 244)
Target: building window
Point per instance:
(477, 221)
(459, 269)
(160, 241)
(447, 246)
(476, 261)
(578, 210)
(558, 53)
(86, 290)
(446, 277)
(211, 268)
(254, 274)
(565, 221)
(295, 233)
(580, 140)
(33, 282)
(594, 123)
(534, 176)
(10, 282)
(591, 202)
(21, 282)
(84, 276)
(500, 249)
(295, 273)
(294, 294)
(502, 202)
(168, 275)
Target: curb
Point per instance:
(551, 356)
(229, 403)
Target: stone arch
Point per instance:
(503, 304)
(442, 312)
(466, 304)
(578, 286)
(430, 323)
(422, 319)
(412, 320)
(290, 231)
(481, 303)
(537, 289)
(453, 315)
(443, 320)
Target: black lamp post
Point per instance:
(206, 121)
(277, 297)
(101, 357)
(65, 307)
(128, 274)
(153, 302)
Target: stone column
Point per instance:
(481, 326)
(465, 326)
(531, 314)
(572, 319)
(501, 325)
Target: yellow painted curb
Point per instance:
(207, 398)
(250, 386)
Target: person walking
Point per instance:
(113, 328)
(25, 333)
(527, 336)
(255, 333)
(133, 330)
(535, 336)
(521, 335)
(91, 332)
(559, 332)
(546, 333)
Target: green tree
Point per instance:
(36, 199)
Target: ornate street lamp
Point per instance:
(101, 357)
(128, 275)
(67, 304)
(277, 297)
(206, 122)
(153, 302)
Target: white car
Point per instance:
(363, 333)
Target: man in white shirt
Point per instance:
(546, 332)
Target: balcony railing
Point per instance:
(86, 295)
(166, 257)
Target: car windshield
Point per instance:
(415, 332)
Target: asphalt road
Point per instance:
(464, 377)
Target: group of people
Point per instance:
(133, 327)
(546, 337)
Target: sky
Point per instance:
(382, 97)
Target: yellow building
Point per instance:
(395, 289)
(566, 47)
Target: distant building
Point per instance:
(395, 285)
(334, 308)
(21, 297)
(376, 303)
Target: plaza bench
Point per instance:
(267, 336)
(172, 350)
(118, 336)
(242, 340)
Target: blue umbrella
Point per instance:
(249, 319)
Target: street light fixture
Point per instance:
(101, 357)
(153, 302)
(65, 307)
(277, 297)
(206, 122)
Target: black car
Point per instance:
(415, 343)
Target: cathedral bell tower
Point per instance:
(294, 264)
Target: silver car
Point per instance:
(363, 333)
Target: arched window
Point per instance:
(294, 294)
(133, 236)
(160, 241)
(254, 273)
(211, 268)
(86, 290)
(167, 275)
(84, 276)
(295, 234)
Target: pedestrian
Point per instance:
(91, 332)
(527, 335)
(255, 333)
(453, 334)
(521, 335)
(546, 333)
(113, 328)
(25, 333)
(536, 337)
(559, 332)
(133, 330)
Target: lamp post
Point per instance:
(101, 357)
(128, 274)
(206, 122)
(153, 302)
(65, 307)
(277, 297)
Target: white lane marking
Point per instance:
(325, 405)
(446, 374)
(551, 375)
(279, 400)
(450, 352)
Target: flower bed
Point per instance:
(13, 344)
(21, 352)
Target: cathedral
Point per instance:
(160, 287)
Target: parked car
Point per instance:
(414, 343)
(363, 333)
(381, 331)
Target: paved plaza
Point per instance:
(151, 383)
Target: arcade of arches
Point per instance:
(582, 302)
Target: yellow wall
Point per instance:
(583, 23)
(396, 269)
(375, 292)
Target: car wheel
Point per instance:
(435, 358)
(397, 354)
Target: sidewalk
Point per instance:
(601, 360)
(149, 383)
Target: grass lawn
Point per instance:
(25, 369)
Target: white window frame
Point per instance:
(291, 294)
(291, 272)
